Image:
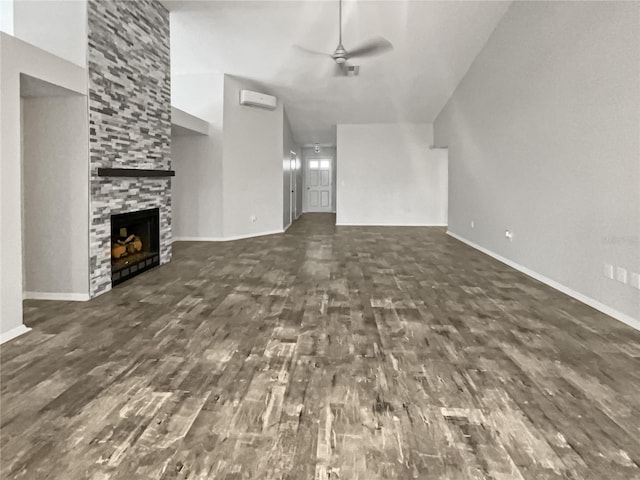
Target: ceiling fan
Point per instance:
(341, 55)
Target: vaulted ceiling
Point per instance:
(434, 42)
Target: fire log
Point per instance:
(118, 251)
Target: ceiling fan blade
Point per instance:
(375, 46)
(311, 52)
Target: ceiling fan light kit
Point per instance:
(341, 55)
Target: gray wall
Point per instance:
(543, 140)
(56, 195)
(130, 120)
(252, 164)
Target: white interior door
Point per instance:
(319, 185)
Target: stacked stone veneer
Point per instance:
(129, 120)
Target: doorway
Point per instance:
(319, 184)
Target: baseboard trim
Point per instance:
(225, 239)
(355, 224)
(63, 297)
(622, 317)
(13, 333)
(196, 239)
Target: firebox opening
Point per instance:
(135, 243)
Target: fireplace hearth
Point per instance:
(135, 243)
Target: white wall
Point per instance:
(6, 16)
(15, 57)
(543, 140)
(57, 26)
(197, 186)
(252, 164)
(196, 189)
(183, 123)
(289, 211)
(299, 183)
(235, 172)
(56, 195)
(388, 175)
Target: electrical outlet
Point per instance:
(254, 219)
(608, 271)
(635, 280)
(621, 274)
(508, 234)
(473, 224)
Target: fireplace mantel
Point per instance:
(134, 172)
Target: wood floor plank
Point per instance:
(325, 353)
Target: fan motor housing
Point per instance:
(352, 70)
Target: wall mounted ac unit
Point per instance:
(255, 99)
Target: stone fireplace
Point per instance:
(129, 133)
(113, 196)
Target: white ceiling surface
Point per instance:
(435, 42)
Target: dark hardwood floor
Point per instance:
(324, 353)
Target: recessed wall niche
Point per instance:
(55, 191)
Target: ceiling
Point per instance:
(435, 42)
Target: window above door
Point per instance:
(320, 164)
